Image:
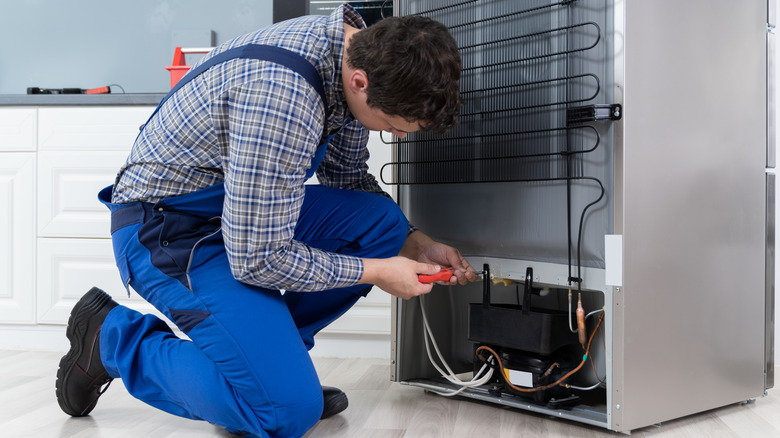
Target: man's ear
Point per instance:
(358, 81)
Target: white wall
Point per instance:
(91, 43)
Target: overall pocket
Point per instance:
(170, 237)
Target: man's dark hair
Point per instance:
(413, 68)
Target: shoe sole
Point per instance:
(90, 303)
(336, 405)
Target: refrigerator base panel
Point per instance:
(595, 415)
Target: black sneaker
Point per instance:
(81, 376)
(335, 401)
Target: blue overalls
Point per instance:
(247, 366)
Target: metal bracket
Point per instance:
(594, 113)
(486, 286)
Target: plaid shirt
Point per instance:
(255, 125)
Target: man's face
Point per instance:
(375, 120)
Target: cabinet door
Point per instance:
(90, 128)
(68, 268)
(370, 315)
(17, 129)
(68, 184)
(17, 237)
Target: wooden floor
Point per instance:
(377, 409)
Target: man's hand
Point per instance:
(420, 255)
(398, 276)
(423, 249)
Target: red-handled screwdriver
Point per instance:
(443, 275)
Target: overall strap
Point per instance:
(277, 55)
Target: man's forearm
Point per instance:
(415, 242)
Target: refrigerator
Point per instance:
(617, 155)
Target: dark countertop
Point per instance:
(81, 99)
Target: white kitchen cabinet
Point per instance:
(90, 128)
(70, 268)
(80, 150)
(17, 129)
(68, 184)
(54, 233)
(17, 237)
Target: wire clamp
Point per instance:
(594, 113)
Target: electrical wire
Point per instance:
(593, 313)
(586, 388)
(477, 380)
(118, 86)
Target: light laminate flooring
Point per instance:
(378, 408)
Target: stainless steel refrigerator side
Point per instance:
(693, 208)
(771, 148)
(769, 269)
(771, 130)
(616, 316)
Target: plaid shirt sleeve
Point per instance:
(274, 126)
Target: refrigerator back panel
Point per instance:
(535, 75)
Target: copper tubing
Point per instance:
(581, 321)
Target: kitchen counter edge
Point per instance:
(81, 99)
